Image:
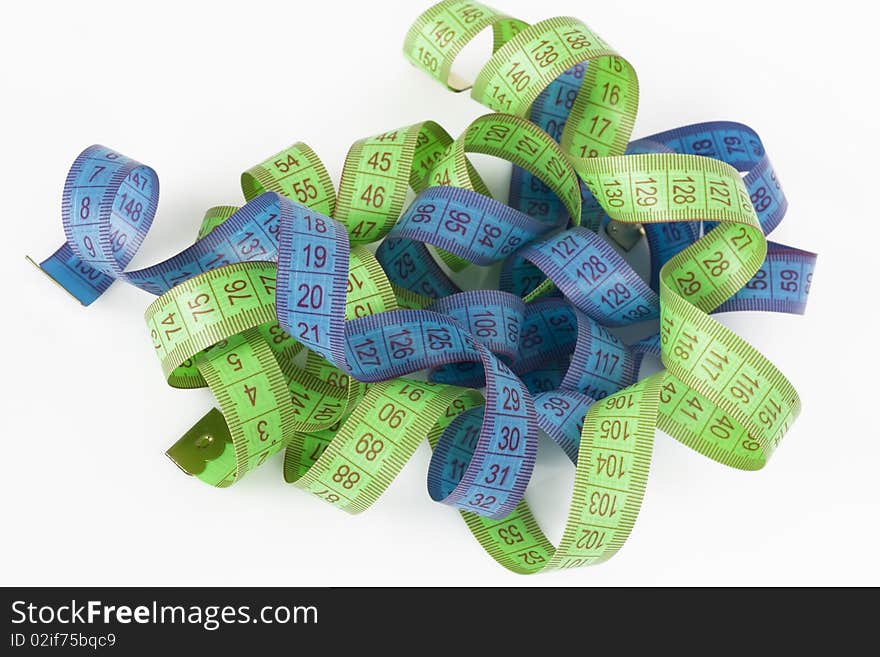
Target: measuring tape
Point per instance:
(308, 340)
(543, 73)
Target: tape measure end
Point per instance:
(626, 236)
(204, 442)
(458, 84)
(54, 280)
(170, 455)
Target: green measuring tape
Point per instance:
(254, 310)
(598, 115)
(612, 471)
(525, 61)
(718, 395)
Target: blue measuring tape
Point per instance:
(783, 282)
(589, 358)
(310, 303)
(109, 204)
(107, 209)
(542, 363)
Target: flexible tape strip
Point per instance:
(377, 173)
(251, 233)
(514, 139)
(368, 292)
(740, 147)
(714, 378)
(206, 309)
(547, 378)
(665, 240)
(562, 419)
(750, 377)
(517, 542)
(315, 404)
(248, 383)
(518, 141)
(593, 277)
(526, 337)
(526, 146)
(364, 457)
(549, 58)
(549, 334)
(782, 283)
(439, 34)
(295, 172)
(549, 112)
(519, 276)
(379, 169)
(613, 459)
(411, 268)
(214, 217)
(109, 203)
(471, 226)
(314, 254)
(491, 316)
(247, 375)
(517, 73)
(108, 206)
(494, 318)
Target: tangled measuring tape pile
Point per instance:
(306, 337)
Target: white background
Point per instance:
(201, 91)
